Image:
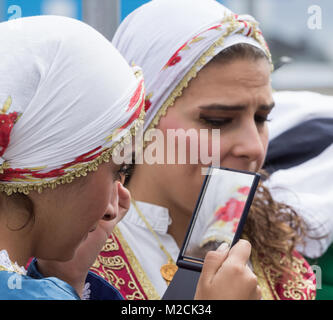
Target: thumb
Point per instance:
(213, 262)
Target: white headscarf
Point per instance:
(171, 40)
(69, 100)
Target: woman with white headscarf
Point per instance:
(64, 91)
(70, 103)
(205, 68)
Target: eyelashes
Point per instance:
(124, 172)
(261, 119)
(216, 122)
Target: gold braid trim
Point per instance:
(266, 292)
(141, 275)
(80, 170)
(192, 73)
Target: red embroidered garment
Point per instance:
(118, 265)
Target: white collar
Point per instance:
(8, 265)
(157, 216)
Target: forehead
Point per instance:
(240, 82)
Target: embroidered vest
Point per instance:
(118, 265)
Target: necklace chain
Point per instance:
(167, 270)
(151, 230)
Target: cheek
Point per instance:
(264, 136)
(265, 139)
(172, 120)
(98, 198)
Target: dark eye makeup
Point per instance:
(215, 121)
(261, 119)
(124, 171)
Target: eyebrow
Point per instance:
(221, 107)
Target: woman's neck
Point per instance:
(144, 188)
(17, 243)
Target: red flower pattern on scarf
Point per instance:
(147, 104)
(136, 96)
(176, 57)
(6, 125)
(232, 209)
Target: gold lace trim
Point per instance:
(266, 289)
(80, 169)
(192, 73)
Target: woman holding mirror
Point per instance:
(205, 68)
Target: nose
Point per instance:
(112, 209)
(248, 144)
(109, 213)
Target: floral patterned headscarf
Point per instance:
(68, 102)
(171, 40)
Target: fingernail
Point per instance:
(223, 247)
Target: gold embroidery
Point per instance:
(272, 276)
(110, 264)
(113, 263)
(192, 73)
(266, 291)
(299, 288)
(296, 288)
(138, 270)
(111, 244)
(6, 105)
(197, 39)
(149, 96)
(5, 165)
(186, 47)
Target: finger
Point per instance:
(240, 253)
(223, 247)
(213, 262)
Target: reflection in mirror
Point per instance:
(218, 212)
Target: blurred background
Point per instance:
(298, 31)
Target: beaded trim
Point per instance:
(79, 170)
(192, 73)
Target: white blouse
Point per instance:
(143, 243)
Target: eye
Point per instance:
(261, 119)
(124, 171)
(215, 121)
